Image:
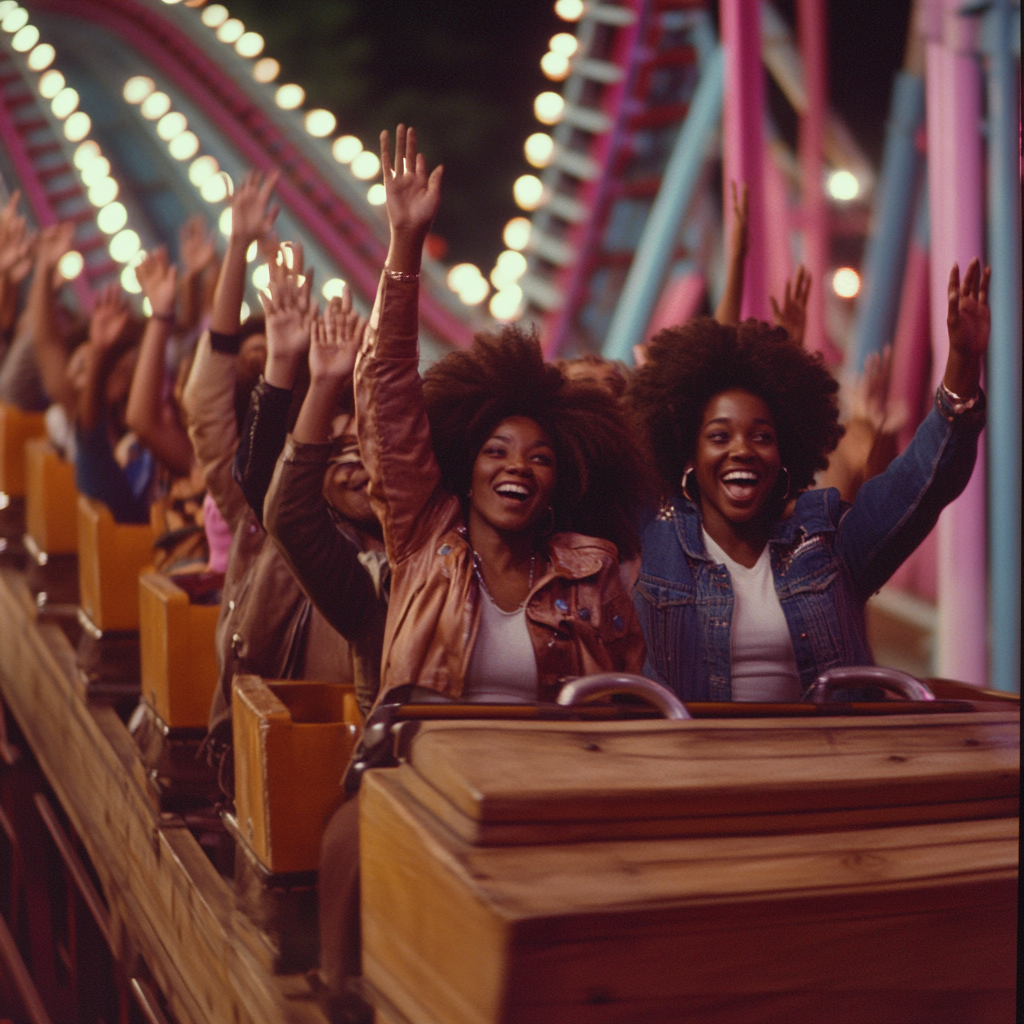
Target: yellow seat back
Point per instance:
(16, 427)
(51, 501)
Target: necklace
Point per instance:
(486, 589)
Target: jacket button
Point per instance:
(561, 604)
(444, 549)
(585, 614)
(618, 623)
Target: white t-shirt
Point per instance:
(502, 667)
(761, 650)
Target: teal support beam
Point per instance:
(892, 219)
(654, 253)
(1003, 381)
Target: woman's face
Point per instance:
(514, 476)
(737, 460)
(346, 479)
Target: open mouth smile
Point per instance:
(513, 491)
(740, 484)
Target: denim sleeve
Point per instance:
(98, 476)
(896, 510)
(262, 438)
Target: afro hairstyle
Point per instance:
(690, 364)
(602, 475)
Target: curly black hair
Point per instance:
(602, 478)
(688, 365)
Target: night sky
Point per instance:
(465, 74)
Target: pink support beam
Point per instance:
(779, 227)
(811, 32)
(956, 187)
(743, 143)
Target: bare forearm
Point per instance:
(143, 413)
(51, 355)
(90, 403)
(405, 253)
(227, 299)
(318, 411)
(728, 311)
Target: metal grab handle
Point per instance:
(852, 677)
(604, 684)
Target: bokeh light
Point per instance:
(95, 171)
(252, 252)
(266, 70)
(320, 123)
(86, 153)
(64, 103)
(376, 195)
(508, 268)
(155, 105)
(516, 234)
(24, 39)
(50, 84)
(290, 97)
(506, 304)
(846, 282)
(556, 67)
(224, 222)
(124, 245)
(137, 88)
(250, 44)
(185, 146)
(564, 43)
(112, 218)
(214, 189)
(171, 125)
(569, 10)
(843, 185)
(231, 31)
(77, 126)
(214, 16)
(333, 289)
(366, 165)
(346, 149)
(41, 57)
(201, 169)
(548, 108)
(539, 148)
(103, 192)
(261, 277)
(70, 265)
(15, 20)
(528, 191)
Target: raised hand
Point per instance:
(793, 314)
(109, 317)
(252, 213)
(413, 197)
(53, 242)
(336, 338)
(15, 241)
(289, 312)
(158, 278)
(196, 246)
(740, 219)
(968, 318)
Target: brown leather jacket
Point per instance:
(580, 617)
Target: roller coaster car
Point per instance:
(51, 523)
(835, 860)
(16, 427)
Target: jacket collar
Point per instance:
(572, 555)
(812, 514)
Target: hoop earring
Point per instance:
(685, 484)
(789, 484)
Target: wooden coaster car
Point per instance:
(813, 869)
(292, 742)
(51, 502)
(177, 622)
(16, 427)
(110, 558)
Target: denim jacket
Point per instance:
(828, 557)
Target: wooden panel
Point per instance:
(292, 743)
(179, 655)
(51, 500)
(848, 926)
(712, 773)
(16, 427)
(110, 557)
(168, 904)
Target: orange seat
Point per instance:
(178, 652)
(51, 519)
(110, 557)
(16, 427)
(292, 743)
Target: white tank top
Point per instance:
(761, 649)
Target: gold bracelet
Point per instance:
(955, 403)
(398, 275)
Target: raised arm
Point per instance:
(394, 435)
(106, 330)
(198, 252)
(16, 244)
(154, 419)
(728, 311)
(792, 315)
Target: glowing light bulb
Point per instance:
(185, 146)
(366, 165)
(475, 292)
(6, 6)
(846, 282)
(346, 149)
(124, 245)
(266, 70)
(843, 185)
(41, 57)
(155, 105)
(103, 192)
(112, 218)
(50, 84)
(508, 268)
(202, 168)
(333, 289)
(320, 123)
(231, 31)
(15, 20)
(70, 265)
(64, 103)
(564, 43)
(86, 153)
(77, 126)
(528, 191)
(214, 16)
(505, 305)
(548, 108)
(539, 148)
(95, 171)
(516, 234)
(171, 125)
(250, 44)
(460, 275)
(24, 39)
(376, 195)
(556, 67)
(261, 277)
(137, 88)
(569, 10)
(214, 189)
(290, 97)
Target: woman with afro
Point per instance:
(507, 495)
(751, 584)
